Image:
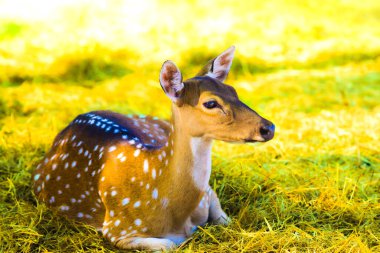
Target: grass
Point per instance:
(314, 188)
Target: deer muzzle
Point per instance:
(267, 130)
(262, 132)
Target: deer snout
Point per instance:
(262, 132)
(267, 130)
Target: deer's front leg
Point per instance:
(216, 215)
(209, 210)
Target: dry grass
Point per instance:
(313, 69)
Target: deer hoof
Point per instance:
(222, 220)
(152, 244)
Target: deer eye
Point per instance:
(211, 104)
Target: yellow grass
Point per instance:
(311, 67)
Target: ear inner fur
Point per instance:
(171, 80)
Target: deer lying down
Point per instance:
(143, 181)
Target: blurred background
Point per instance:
(45, 38)
(311, 67)
(107, 54)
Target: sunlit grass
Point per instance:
(311, 68)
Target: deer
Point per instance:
(142, 181)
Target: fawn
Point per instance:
(143, 181)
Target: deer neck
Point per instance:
(191, 161)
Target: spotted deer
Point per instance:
(143, 181)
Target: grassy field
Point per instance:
(311, 68)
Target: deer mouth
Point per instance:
(240, 139)
(264, 138)
(251, 141)
(256, 139)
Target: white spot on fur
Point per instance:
(137, 222)
(136, 153)
(137, 204)
(155, 193)
(165, 202)
(125, 201)
(146, 166)
(154, 173)
(64, 208)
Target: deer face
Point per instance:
(211, 109)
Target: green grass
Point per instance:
(314, 188)
(9, 30)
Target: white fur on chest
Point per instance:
(201, 150)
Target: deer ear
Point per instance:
(171, 80)
(219, 67)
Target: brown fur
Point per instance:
(140, 179)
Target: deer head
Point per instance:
(209, 108)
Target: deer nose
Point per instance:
(267, 131)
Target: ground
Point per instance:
(313, 69)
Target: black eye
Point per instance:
(210, 104)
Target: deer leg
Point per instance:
(139, 243)
(209, 210)
(216, 215)
(200, 215)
